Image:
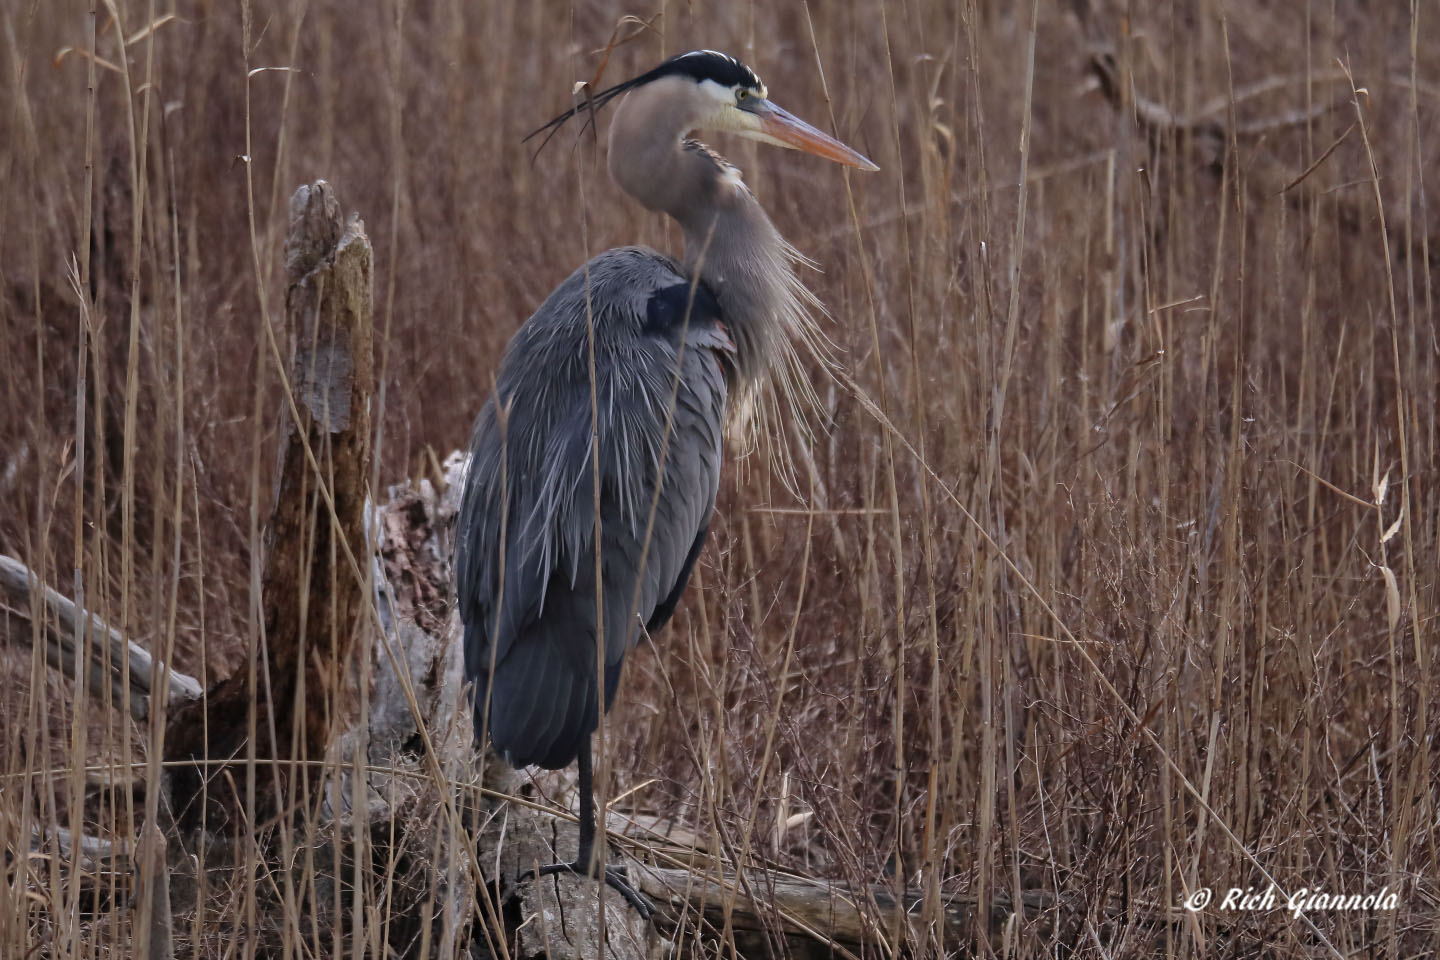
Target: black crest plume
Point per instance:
(698, 65)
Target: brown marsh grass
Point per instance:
(1115, 569)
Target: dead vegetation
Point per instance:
(1115, 573)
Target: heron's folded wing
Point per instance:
(528, 521)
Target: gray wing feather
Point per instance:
(525, 554)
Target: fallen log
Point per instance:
(836, 916)
(106, 652)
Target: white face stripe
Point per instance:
(727, 94)
(722, 93)
(725, 113)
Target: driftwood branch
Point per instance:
(311, 595)
(106, 653)
(833, 915)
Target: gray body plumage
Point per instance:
(526, 544)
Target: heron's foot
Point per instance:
(616, 878)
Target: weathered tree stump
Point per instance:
(316, 534)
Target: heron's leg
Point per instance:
(585, 857)
(586, 861)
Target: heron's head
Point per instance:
(707, 90)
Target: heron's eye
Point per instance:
(741, 95)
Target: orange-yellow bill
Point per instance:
(789, 130)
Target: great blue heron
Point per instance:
(672, 341)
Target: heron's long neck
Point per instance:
(737, 251)
(729, 240)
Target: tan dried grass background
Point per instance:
(1188, 388)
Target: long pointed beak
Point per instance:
(789, 130)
